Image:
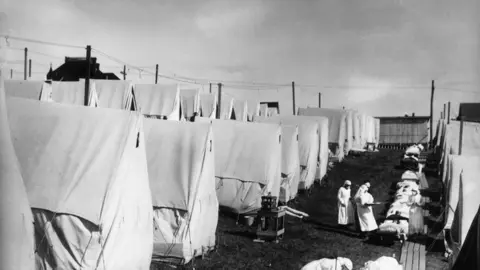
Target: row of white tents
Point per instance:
(95, 178)
(459, 171)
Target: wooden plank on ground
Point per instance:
(423, 258)
(403, 256)
(409, 262)
(416, 259)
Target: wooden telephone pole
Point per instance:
(293, 97)
(25, 65)
(87, 77)
(431, 111)
(124, 72)
(219, 100)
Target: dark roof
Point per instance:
(419, 118)
(75, 68)
(469, 112)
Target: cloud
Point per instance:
(364, 89)
(230, 20)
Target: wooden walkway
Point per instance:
(413, 256)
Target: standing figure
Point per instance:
(365, 212)
(345, 207)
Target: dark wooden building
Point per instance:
(469, 111)
(404, 129)
(75, 68)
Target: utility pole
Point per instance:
(461, 137)
(319, 100)
(124, 72)
(210, 88)
(11, 73)
(219, 100)
(448, 113)
(444, 110)
(25, 64)
(293, 97)
(30, 68)
(87, 77)
(156, 74)
(431, 111)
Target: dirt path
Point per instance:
(307, 241)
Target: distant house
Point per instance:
(273, 107)
(404, 129)
(469, 111)
(75, 68)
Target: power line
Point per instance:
(7, 37)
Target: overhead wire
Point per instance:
(244, 85)
(7, 37)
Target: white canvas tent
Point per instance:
(190, 102)
(290, 163)
(85, 172)
(377, 132)
(114, 94)
(226, 108)
(17, 238)
(350, 129)
(243, 172)
(36, 90)
(72, 93)
(467, 207)
(337, 127)
(240, 108)
(455, 165)
(309, 141)
(181, 169)
(158, 100)
(253, 107)
(470, 141)
(357, 131)
(208, 105)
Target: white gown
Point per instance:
(345, 213)
(365, 213)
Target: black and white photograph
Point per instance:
(230, 134)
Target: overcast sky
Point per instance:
(377, 56)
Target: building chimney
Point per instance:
(413, 114)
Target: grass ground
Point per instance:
(305, 241)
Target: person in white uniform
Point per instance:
(345, 207)
(366, 217)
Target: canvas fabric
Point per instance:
(310, 138)
(244, 173)
(253, 109)
(114, 94)
(290, 163)
(27, 89)
(72, 93)
(17, 239)
(337, 126)
(208, 105)
(241, 110)
(190, 102)
(86, 177)
(181, 157)
(468, 204)
(226, 108)
(157, 99)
